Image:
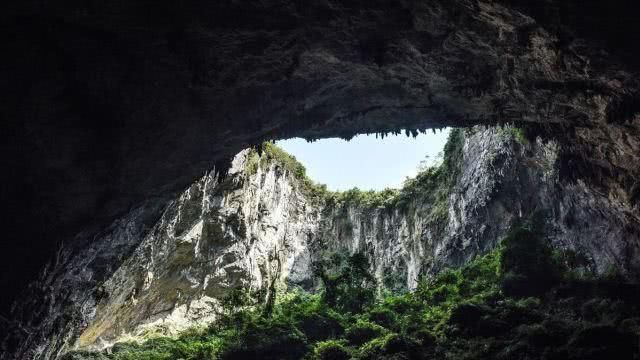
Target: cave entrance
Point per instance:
(367, 162)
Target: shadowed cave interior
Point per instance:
(136, 226)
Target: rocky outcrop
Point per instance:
(243, 232)
(262, 225)
(503, 180)
(110, 104)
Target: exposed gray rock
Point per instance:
(109, 103)
(258, 226)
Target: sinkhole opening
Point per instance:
(367, 162)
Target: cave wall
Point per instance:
(504, 181)
(261, 225)
(164, 275)
(110, 104)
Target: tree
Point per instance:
(350, 287)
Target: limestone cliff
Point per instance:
(107, 104)
(264, 223)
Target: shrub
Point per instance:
(374, 348)
(349, 289)
(320, 326)
(266, 339)
(331, 350)
(527, 264)
(425, 337)
(363, 331)
(603, 342)
(467, 315)
(84, 355)
(391, 346)
(383, 316)
(459, 314)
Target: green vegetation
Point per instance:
(432, 185)
(269, 153)
(331, 350)
(517, 133)
(348, 284)
(519, 301)
(272, 153)
(366, 199)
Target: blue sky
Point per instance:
(364, 161)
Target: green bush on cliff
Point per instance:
(350, 288)
(432, 185)
(272, 154)
(472, 312)
(517, 133)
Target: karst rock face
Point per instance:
(259, 225)
(114, 106)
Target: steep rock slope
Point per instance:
(502, 179)
(265, 225)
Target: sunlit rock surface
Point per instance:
(242, 232)
(167, 272)
(111, 104)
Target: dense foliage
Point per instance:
(518, 302)
(432, 185)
